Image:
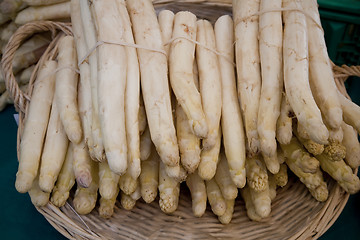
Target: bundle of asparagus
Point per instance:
(276, 107)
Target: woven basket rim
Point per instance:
(67, 226)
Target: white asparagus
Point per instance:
(256, 174)
(321, 75)
(284, 122)
(352, 145)
(231, 120)
(84, 201)
(108, 181)
(91, 39)
(248, 67)
(132, 97)
(128, 184)
(340, 172)
(250, 208)
(29, 52)
(49, 12)
(320, 193)
(142, 116)
(112, 72)
(334, 149)
(198, 193)
(25, 75)
(8, 31)
(351, 112)
(281, 156)
(37, 196)
(136, 195)
(149, 177)
(66, 89)
(106, 208)
(166, 23)
(312, 147)
(313, 181)
(272, 186)
(304, 160)
(216, 200)
(302, 131)
(54, 152)
(270, 46)
(127, 202)
(65, 181)
(179, 172)
(222, 177)
(209, 159)
(154, 80)
(227, 216)
(189, 144)
(145, 144)
(169, 190)
(209, 79)
(262, 201)
(296, 73)
(35, 126)
(335, 134)
(85, 198)
(11, 7)
(82, 165)
(281, 178)
(84, 86)
(181, 72)
(210, 89)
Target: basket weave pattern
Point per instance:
(295, 213)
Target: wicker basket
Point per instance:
(295, 213)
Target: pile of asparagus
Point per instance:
(271, 98)
(14, 13)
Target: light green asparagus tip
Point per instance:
(341, 172)
(313, 147)
(335, 151)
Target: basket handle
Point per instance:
(21, 34)
(346, 71)
(342, 73)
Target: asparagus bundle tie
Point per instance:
(202, 45)
(66, 67)
(120, 43)
(101, 42)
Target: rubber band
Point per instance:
(99, 43)
(201, 45)
(52, 73)
(59, 69)
(66, 67)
